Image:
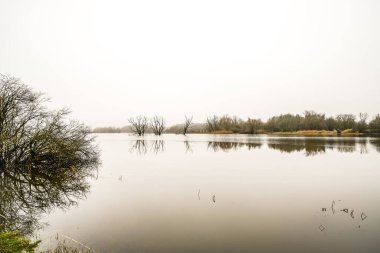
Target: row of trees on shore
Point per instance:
(309, 120)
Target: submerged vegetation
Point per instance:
(310, 123)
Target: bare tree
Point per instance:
(361, 125)
(187, 124)
(139, 125)
(45, 159)
(212, 123)
(252, 125)
(157, 124)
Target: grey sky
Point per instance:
(109, 60)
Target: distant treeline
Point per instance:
(308, 121)
(125, 129)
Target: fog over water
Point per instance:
(110, 60)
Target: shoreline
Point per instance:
(306, 133)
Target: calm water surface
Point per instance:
(230, 193)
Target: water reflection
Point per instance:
(33, 184)
(310, 146)
(26, 194)
(187, 194)
(228, 146)
(376, 144)
(158, 146)
(313, 146)
(188, 147)
(139, 146)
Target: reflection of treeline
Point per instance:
(376, 143)
(227, 146)
(308, 121)
(316, 146)
(311, 146)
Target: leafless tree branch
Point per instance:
(187, 124)
(157, 124)
(139, 125)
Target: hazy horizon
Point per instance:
(111, 60)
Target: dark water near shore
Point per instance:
(230, 193)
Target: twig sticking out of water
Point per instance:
(213, 198)
(199, 192)
(333, 206)
(82, 244)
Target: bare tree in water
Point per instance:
(139, 125)
(187, 124)
(158, 125)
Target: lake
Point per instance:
(226, 193)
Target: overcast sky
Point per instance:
(110, 60)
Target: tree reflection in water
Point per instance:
(188, 147)
(140, 147)
(228, 146)
(158, 146)
(314, 146)
(311, 146)
(27, 193)
(376, 144)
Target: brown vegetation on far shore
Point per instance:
(347, 132)
(221, 132)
